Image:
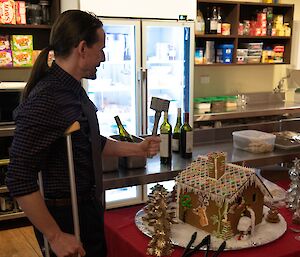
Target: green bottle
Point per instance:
(176, 133)
(186, 138)
(123, 134)
(165, 143)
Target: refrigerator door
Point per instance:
(114, 90)
(167, 56)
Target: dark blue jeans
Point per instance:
(91, 219)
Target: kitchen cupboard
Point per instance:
(236, 13)
(40, 35)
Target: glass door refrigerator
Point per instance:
(144, 59)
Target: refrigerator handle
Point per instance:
(144, 97)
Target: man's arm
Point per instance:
(147, 148)
(35, 209)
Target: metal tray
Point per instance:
(132, 162)
(287, 140)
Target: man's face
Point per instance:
(95, 56)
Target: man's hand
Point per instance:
(66, 245)
(150, 146)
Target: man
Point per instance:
(53, 100)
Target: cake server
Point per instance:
(220, 249)
(190, 252)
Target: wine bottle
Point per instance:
(214, 21)
(219, 25)
(186, 138)
(123, 134)
(207, 21)
(165, 143)
(176, 133)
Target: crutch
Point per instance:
(74, 127)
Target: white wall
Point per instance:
(69, 4)
(169, 9)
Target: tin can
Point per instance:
(246, 27)
(241, 29)
(225, 29)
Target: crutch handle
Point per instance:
(74, 127)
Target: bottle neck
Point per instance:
(179, 114)
(186, 117)
(118, 121)
(166, 117)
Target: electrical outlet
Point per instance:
(205, 79)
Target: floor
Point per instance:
(19, 242)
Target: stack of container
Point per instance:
(254, 52)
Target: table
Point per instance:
(124, 239)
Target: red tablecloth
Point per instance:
(124, 238)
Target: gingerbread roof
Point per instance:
(228, 187)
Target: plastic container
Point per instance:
(203, 104)
(225, 53)
(254, 141)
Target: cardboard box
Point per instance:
(22, 59)
(7, 12)
(4, 42)
(6, 58)
(21, 42)
(20, 12)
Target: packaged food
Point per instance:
(7, 12)
(253, 59)
(6, 58)
(253, 141)
(241, 59)
(21, 42)
(22, 58)
(4, 42)
(35, 54)
(224, 53)
(242, 52)
(199, 55)
(20, 12)
(225, 29)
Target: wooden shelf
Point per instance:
(264, 37)
(24, 26)
(214, 36)
(236, 12)
(14, 215)
(15, 68)
(237, 64)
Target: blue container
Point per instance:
(225, 53)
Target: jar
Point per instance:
(225, 29)
(287, 29)
(33, 14)
(246, 27)
(45, 12)
(241, 29)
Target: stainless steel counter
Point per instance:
(155, 172)
(251, 111)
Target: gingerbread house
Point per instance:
(216, 196)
